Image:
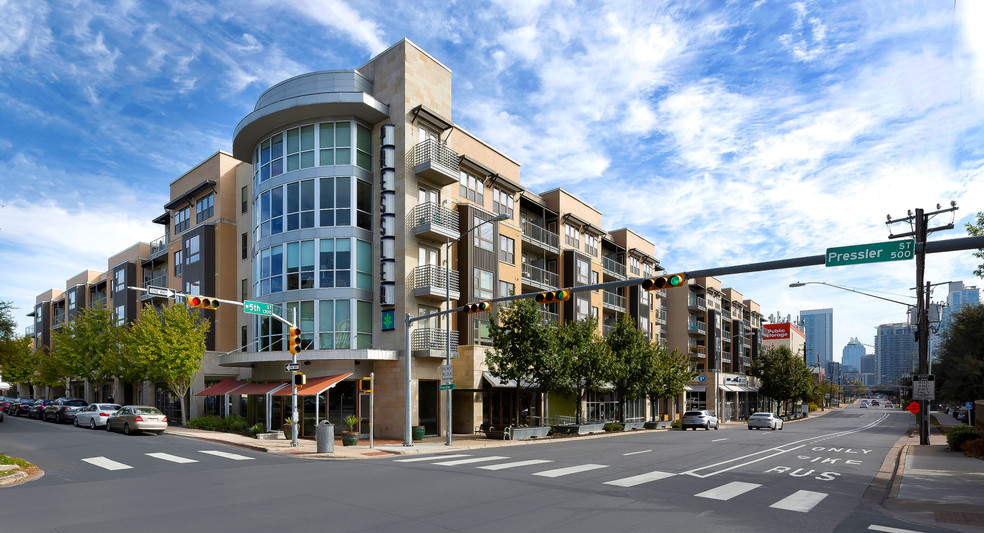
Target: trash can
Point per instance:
(417, 433)
(325, 437)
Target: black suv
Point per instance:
(62, 409)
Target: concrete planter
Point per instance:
(579, 429)
(663, 424)
(627, 426)
(528, 433)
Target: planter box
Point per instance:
(579, 429)
(662, 424)
(495, 432)
(528, 433)
(276, 435)
(628, 426)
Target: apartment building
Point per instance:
(352, 199)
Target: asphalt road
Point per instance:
(811, 476)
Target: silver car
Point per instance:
(699, 419)
(95, 415)
(135, 418)
(764, 420)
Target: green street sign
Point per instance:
(871, 253)
(258, 308)
(449, 386)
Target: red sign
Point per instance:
(775, 331)
(913, 407)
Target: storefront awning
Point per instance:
(314, 386)
(223, 387)
(696, 388)
(260, 388)
(505, 383)
(728, 388)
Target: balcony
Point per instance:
(696, 303)
(427, 282)
(540, 278)
(29, 331)
(159, 279)
(431, 221)
(541, 237)
(613, 301)
(612, 268)
(697, 328)
(158, 247)
(661, 316)
(548, 316)
(436, 162)
(432, 342)
(660, 293)
(698, 351)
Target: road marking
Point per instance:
(719, 440)
(515, 464)
(569, 470)
(640, 479)
(108, 464)
(457, 462)
(801, 501)
(227, 455)
(728, 491)
(634, 453)
(890, 529)
(172, 458)
(430, 458)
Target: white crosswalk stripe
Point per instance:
(227, 455)
(569, 470)
(430, 458)
(728, 491)
(458, 462)
(105, 462)
(515, 464)
(171, 458)
(640, 479)
(802, 501)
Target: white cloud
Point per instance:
(23, 28)
(807, 40)
(341, 17)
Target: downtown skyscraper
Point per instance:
(819, 326)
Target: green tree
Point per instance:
(977, 230)
(669, 373)
(170, 343)
(631, 361)
(87, 345)
(584, 358)
(961, 366)
(18, 361)
(785, 377)
(524, 346)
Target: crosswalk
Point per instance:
(110, 464)
(801, 501)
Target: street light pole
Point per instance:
(447, 307)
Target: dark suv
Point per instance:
(63, 409)
(36, 410)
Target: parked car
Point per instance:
(5, 403)
(764, 420)
(961, 415)
(95, 415)
(63, 409)
(20, 406)
(137, 418)
(699, 419)
(36, 411)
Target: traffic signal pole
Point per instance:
(293, 393)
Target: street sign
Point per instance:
(701, 378)
(448, 386)
(258, 308)
(871, 253)
(923, 387)
(447, 375)
(292, 367)
(160, 291)
(913, 408)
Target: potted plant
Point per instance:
(289, 428)
(350, 437)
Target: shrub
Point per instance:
(813, 407)
(974, 448)
(958, 435)
(613, 426)
(207, 422)
(256, 429)
(234, 424)
(677, 425)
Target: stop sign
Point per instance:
(913, 407)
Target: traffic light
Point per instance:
(299, 379)
(478, 307)
(294, 339)
(553, 297)
(203, 303)
(664, 282)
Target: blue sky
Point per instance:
(746, 131)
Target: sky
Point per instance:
(745, 131)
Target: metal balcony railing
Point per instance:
(29, 331)
(158, 247)
(540, 277)
(435, 155)
(613, 267)
(697, 302)
(661, 316)
(433, 339)
(613, 301)
(699, 327)
(700, 351)
(548, 316)
(159, 279)
(431, 215)
(433, 277)
(543, 237)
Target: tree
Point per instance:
(785, 376)
(977, 230)
(584, 358)
(87, 345)
(18, 363)
(170, 343)
(669, 374)
(523, 346)
(961, 366)
(631, 361)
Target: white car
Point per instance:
(95, 415)
(764, 420)
(699, 419)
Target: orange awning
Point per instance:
(222, 387)
(314, 386)
(259, 388)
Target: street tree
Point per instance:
(976, 229)
(669, 373)
(631, 361)
(169, 342)
(524, 347)
(87, 345)
(784, 376)
(584, 358)
(960, 370)
(18, 363)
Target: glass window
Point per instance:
(363, 319)
(582, 309)
(363, 145)
(335, 263)
(502, 202)
(300, 205)
(363, 204)
(472, 187)
(335, 141)
(269, 335)
(591, 245)
(204, 208)
(363, 261)
(244, 245)
(326, 324)
(271, 212)
(483, 234)
(305, 321)
(264, 160)
(572, 236)
(192, 248)
(343, 324)
(177, 263)
(182, 219)
(506, 288)
(483, 284)
(269, 271)
(277, 155)
(583, 271)
(482, 335)
(244, 199)
(336, 202)
(507, 250)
